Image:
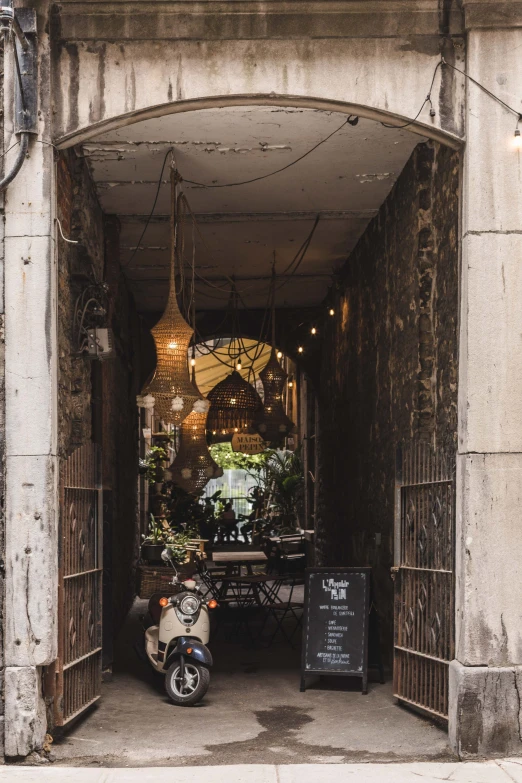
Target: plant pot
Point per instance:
(152, 553)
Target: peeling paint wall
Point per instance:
(389, 369)
(110, 59)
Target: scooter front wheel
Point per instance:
(189, 689)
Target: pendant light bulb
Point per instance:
(313, 330)
(192, 362)
(517, 142)
(279, 355)
(300, 349)
(331, 311)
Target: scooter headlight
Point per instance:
(189, 604)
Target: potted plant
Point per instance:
(152, 465)
(154, 543)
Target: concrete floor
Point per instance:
(253, 713)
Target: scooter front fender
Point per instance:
(198, 651)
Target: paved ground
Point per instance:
(252, 714)
(509, 771)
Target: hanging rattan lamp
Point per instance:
(235, 406)
(171, 387)
(193, 466)
(275, 424)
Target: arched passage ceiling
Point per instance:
(345, 181)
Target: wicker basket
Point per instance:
(158, 579)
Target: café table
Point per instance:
(234, 560)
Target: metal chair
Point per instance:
(280, 610)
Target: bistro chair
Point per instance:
(281, 610)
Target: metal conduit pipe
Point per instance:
(22, 152)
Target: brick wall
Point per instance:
(97, 400)
(389, 364)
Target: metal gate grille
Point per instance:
(424, 587)
(78, 671)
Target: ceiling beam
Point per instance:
(258, 217)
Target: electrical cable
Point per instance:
(484, 89)
(169, 151)
(278, 171)
(427, 99)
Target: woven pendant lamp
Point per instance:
(235, 406)
(275, 424)
(173, 393)
(193, 466)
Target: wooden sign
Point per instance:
(335, 632)
(248, 444)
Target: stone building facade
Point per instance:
(444, 316)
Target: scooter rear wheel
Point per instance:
(191, 690)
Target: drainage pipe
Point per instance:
(22, 152)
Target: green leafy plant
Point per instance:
(152, 464)
(283, 479)
(228, 459)
(179, 544)
(158, 532)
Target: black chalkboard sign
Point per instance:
(335, 631)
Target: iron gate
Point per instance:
(424, 577)
(78, 668)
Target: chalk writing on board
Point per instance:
(336, 623)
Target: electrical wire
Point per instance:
(272, 173)
(169, 151)
(427, 99)
(484, 89)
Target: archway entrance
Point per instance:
(352, 213)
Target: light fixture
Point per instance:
(173, 393)
(234, 405)
(313, 330)
(300, 349)
(279, 355)
(238, 365)
(275, 425)
(517, 142)
(331, 311)
(290, 384)
(192, 362)
(193, 466)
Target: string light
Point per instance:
(313, 330)
(331, 311)
(300, 349)
(517, 142)
(192, 362)
(290, 384)
(279, 355)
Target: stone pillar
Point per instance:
(31, 391)
(486, 675)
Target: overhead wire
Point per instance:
(272, 173)
(149, 218)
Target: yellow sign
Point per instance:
(248, 444)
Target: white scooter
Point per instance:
(176, 638)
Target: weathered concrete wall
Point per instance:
(486, 673)
(109, 59)
(389, 369)
(31, 420)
